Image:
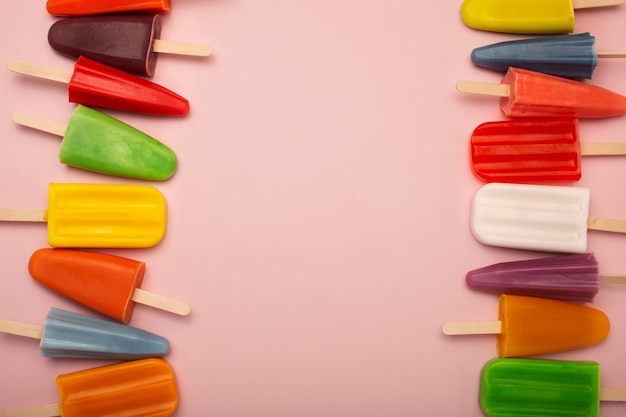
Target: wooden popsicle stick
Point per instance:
(23, 215)
(472, 327)
(602, 148)
(40, 123)
(161, 302)
(613, 394)
(38, 71)
(482, 88)
(606, 225)
(612, 279)
(46, 410)
(584, 4)
(21, 329)
(611, 54)
(181, 48)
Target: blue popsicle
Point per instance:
(69, 335)
(570, 56)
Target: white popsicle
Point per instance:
(536, 217)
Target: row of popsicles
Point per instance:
(105, 215)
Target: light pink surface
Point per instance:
(319, 219)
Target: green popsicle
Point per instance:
(96, 142)
(540, 387)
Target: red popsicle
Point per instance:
(83, 7)
(525, 93)
(96, 84)
(533, 150)
(105, 283)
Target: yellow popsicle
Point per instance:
(99, 215)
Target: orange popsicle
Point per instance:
(526, 93)
(82, 7)
(140, 388)
(528, 326)
(105, 283)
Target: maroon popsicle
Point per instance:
(125, 41)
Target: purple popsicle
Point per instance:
(566, 277)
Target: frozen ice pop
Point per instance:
(99, 215)
(533, 150)
(99, 85)
(140, 388)
(569, 56)
(108, 284)
(96, 142)
(566, 277)
(536, 217)
(526, 93)
(526, 16)
(129, 42)
(542, 387)
(69, 335)
(529, 326)
(82, 7)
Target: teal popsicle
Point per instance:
(97, 142)
(69, 335)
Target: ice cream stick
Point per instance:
(22, 215)
(606, 225)
(472, 327)
(613, 394)
(602, 148)
(161, 302)
(180, 48)
(611, 54)
(583, 4)
(482, 88)
(37, 411)
(612, 279)
(40, 123)
(21, 329)
(39, 71)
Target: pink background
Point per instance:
(319, 218)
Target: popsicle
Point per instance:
(108, 284)
(542, 387)
(533, 150)
(69, 335)
(129, 42)
(566, 277)
(545, 218)
(96, 84)
(82, 7)
(96, 142)
(569, 56)
(526, 93)
(99, 215)
(140, 388)
(529, 326)
(526, 16)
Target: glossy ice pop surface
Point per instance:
(82, 7)
(533, 217)
(97, 142)
(533, 94)
(536, 326)
(69, 335)
(105, 215)
(145, 387)
(96, 84)
(567, 277)
(570, 56)
(540, 387)
(99, 281)
(121, 41)
(519, 16)
(527, 150)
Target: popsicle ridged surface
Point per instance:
(105, 215)
(539, 387)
